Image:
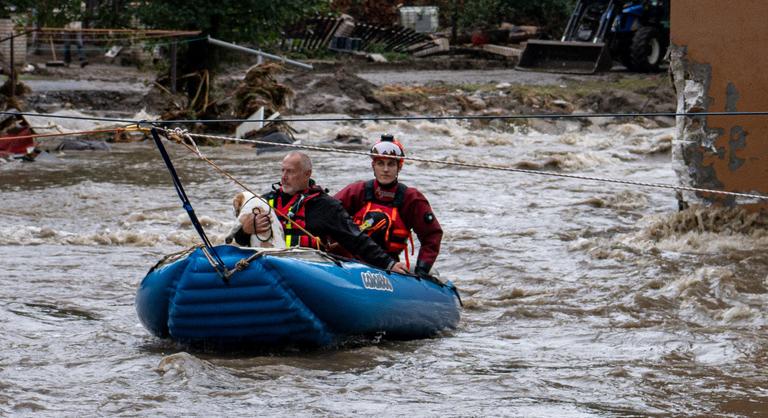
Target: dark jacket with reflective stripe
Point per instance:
(326, 218)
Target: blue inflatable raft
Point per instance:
(289, 297)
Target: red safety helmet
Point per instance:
(388, 145)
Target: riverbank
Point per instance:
(361, 88)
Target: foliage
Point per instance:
(396, 56)
(254, 21)
(372, 12)
(232, 20)
(242, 21)
(260, 21)
(52, 13)
(313, 54)
(551, 15)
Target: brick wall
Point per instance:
(19, 45)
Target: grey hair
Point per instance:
(306, 162)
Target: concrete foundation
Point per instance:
(717, 65)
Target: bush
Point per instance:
(550, 15)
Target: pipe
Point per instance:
(259, 53)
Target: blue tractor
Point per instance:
(634, 32)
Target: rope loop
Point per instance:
(182, 136)
(242, 264)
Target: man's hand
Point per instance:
(399, 267)
(255, 224)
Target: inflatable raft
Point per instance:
(288, 297)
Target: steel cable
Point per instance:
(453, 163)
(490, 167)
(403, 118)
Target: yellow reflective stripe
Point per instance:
(288, 235)
(286, 227)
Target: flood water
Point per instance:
(577, 302)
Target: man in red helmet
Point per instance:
(388, 210)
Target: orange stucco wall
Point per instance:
(727, 39)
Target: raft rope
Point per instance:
(177, 134)
(209, 251)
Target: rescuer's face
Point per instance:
(295, 178)
(385, 170)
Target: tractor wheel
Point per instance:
(626, 59)
(646, 51)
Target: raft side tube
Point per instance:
(253, 306)
(154, 295)
(401, 306)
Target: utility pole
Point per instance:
(454, 21)
(12, 60)
(173, 66)
(13, 65)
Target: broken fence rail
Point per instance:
(318, 33)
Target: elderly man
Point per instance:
(308, 206)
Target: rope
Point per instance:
(88, 118)
(77, 133)
(179, 133)
(492, 167)
(406, 118)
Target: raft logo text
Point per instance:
(376, 281)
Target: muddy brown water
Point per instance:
(573, 307)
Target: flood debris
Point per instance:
(186, 106)
(73, 144)
(276, 133)
(13, 101)
(343, 34)
(16, 141)
(701, 219)
(340, 92)
(260, 88)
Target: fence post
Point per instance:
(173, 67)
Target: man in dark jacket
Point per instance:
(314, 217)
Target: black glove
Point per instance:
(422, 268)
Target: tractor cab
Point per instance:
(634, 32)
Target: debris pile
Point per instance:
(261, 89)
(369, 38)
(20, 89)
(341, 92)
(195, 104)
(343, 34)
(276, 133)
(15, 137)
